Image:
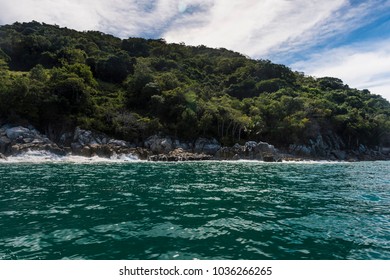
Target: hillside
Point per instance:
(56, 79)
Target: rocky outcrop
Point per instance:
(207, 146)
(159, 145)
(180, 155)
(331, 147)
(15, 140)
(320, 147)
(88, 144)
(164, 145)
(250, 151)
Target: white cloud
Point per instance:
(253, 27)
(360, 66)
(122, 18)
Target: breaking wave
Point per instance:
(45, 156)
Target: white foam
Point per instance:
(45, 156)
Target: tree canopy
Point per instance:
(133, 88)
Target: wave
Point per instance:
(45, 156)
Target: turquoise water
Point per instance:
(195, 210)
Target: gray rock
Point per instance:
(66, 138)
(250, 146)
(159, 144)
(19, 132)
(76, 148)
(3, 157)
(119, 143)
(339, 155)
(236, 157)
(264, 147)
(300, 150)
(87, 137)
(207, 146)
(182, 145)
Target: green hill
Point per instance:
(56, 78)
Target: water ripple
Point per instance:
(195, 210)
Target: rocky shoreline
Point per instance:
(17, 140)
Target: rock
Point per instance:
(159, 144)
(76, 148)
(52, 148)
(86, 151)
(250, 151)
(66, 139)
(339, 155)
(264, 147)
(18, 139)
(250, 146)
(182, 145)
(179, 155)
(3, 157)
(5, 145)
(271, 158)
(19, 132)
(207, 146)
(87, 137)
(300, 150)
(225, 153)
(236, 157)
(119, 143)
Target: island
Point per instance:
(92, 94)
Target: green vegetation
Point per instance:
(55, 77)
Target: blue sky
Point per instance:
(348, 39)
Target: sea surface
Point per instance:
(194, 210)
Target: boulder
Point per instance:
(19, 132)
(2, 157)
(159, 145)
(87, 137)
(207, 146)
(250, 146)
(264, 147)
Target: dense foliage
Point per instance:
(55, 77)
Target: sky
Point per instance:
(347, 39)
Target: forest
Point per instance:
(58, 78)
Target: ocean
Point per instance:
(135, 210)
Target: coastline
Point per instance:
(25, 143)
